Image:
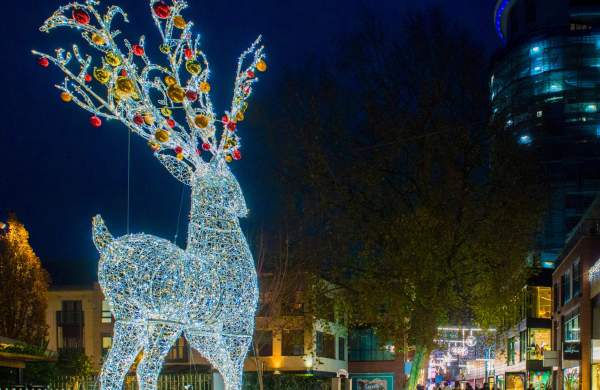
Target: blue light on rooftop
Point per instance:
(525, 139)
(548, 264)
(534, 50)
(591, 108)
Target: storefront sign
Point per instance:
(571, 350)
(551, 359)
(379, 381)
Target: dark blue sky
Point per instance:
(58, 171)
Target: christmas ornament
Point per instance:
(176, 93)
(102, 75)
(43, 62)
(193, 66)
(261, 66)
(204, 87)
(66, 97)
(81, 16)
(161, 135)
(95, 121)
(137, 50)
(179, 22)
(201, 121)
(161, 9)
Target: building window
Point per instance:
(555, 296)
(511, 345)
(106, 343)
(541, 302)
(566, 287)
(571, 327)
(106, 313)
(263, 342)
(539, 341)
(292, 342)
(341, 348)
(523, 345)
(178, 352)
(363, 345)
(576, 278)
(325, 345)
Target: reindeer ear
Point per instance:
(181, 170)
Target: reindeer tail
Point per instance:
(101, 236)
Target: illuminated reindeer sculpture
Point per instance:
(158, 291)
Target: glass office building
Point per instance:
(545, 89)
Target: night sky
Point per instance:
(58, 171)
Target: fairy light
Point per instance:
(158, 291)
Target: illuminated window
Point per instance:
(539, 342)
(106, 344)
(525, 139)
(571, 327)
(591, 108)
(539, 114)
(535, 50)
(106, 314)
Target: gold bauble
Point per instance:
(124, 87)
(161, 135)
(261, 66)
(179, 22)
(154, 145)
(179, 156)
(201, 121)
(112, 59)
(98, 39)
(102, 75)
(66, 97)
(193, 67)
(239, 116)
(228, 158)
(166, 111)
(204, 87)
(169, 80)
(149, 119)
(176, 93)
(164, 48)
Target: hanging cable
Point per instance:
(128, 176)
(179, 214)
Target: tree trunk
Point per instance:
(417, 364)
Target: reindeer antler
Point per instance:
(168, 105)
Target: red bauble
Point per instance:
(138, 119)
(178, 149)
(87, 77)
(250, 74)
(171, 123)
(95, 121)
(188, 53)
(81, 16)
(237, 155)
(191, 96)
(247, 90)
(206, 146)
(137, 50)
(161, 9)
(198, 151)
(231, 126)
(225, 119)
(123, 72)
(43, 62)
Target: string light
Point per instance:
(158, 291)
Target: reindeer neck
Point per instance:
(207, 220)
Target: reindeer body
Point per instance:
(214, 281)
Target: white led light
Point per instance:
(158, 291)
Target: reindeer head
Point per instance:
(167, 105)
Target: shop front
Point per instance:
(541, 380)
(500, 382)
(571, 378)
(515, 381)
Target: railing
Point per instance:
(195, 381)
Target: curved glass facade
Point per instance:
(547, 91)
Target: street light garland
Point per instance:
(158, 291)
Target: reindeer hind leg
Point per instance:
(126, 344)
(159, 339)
